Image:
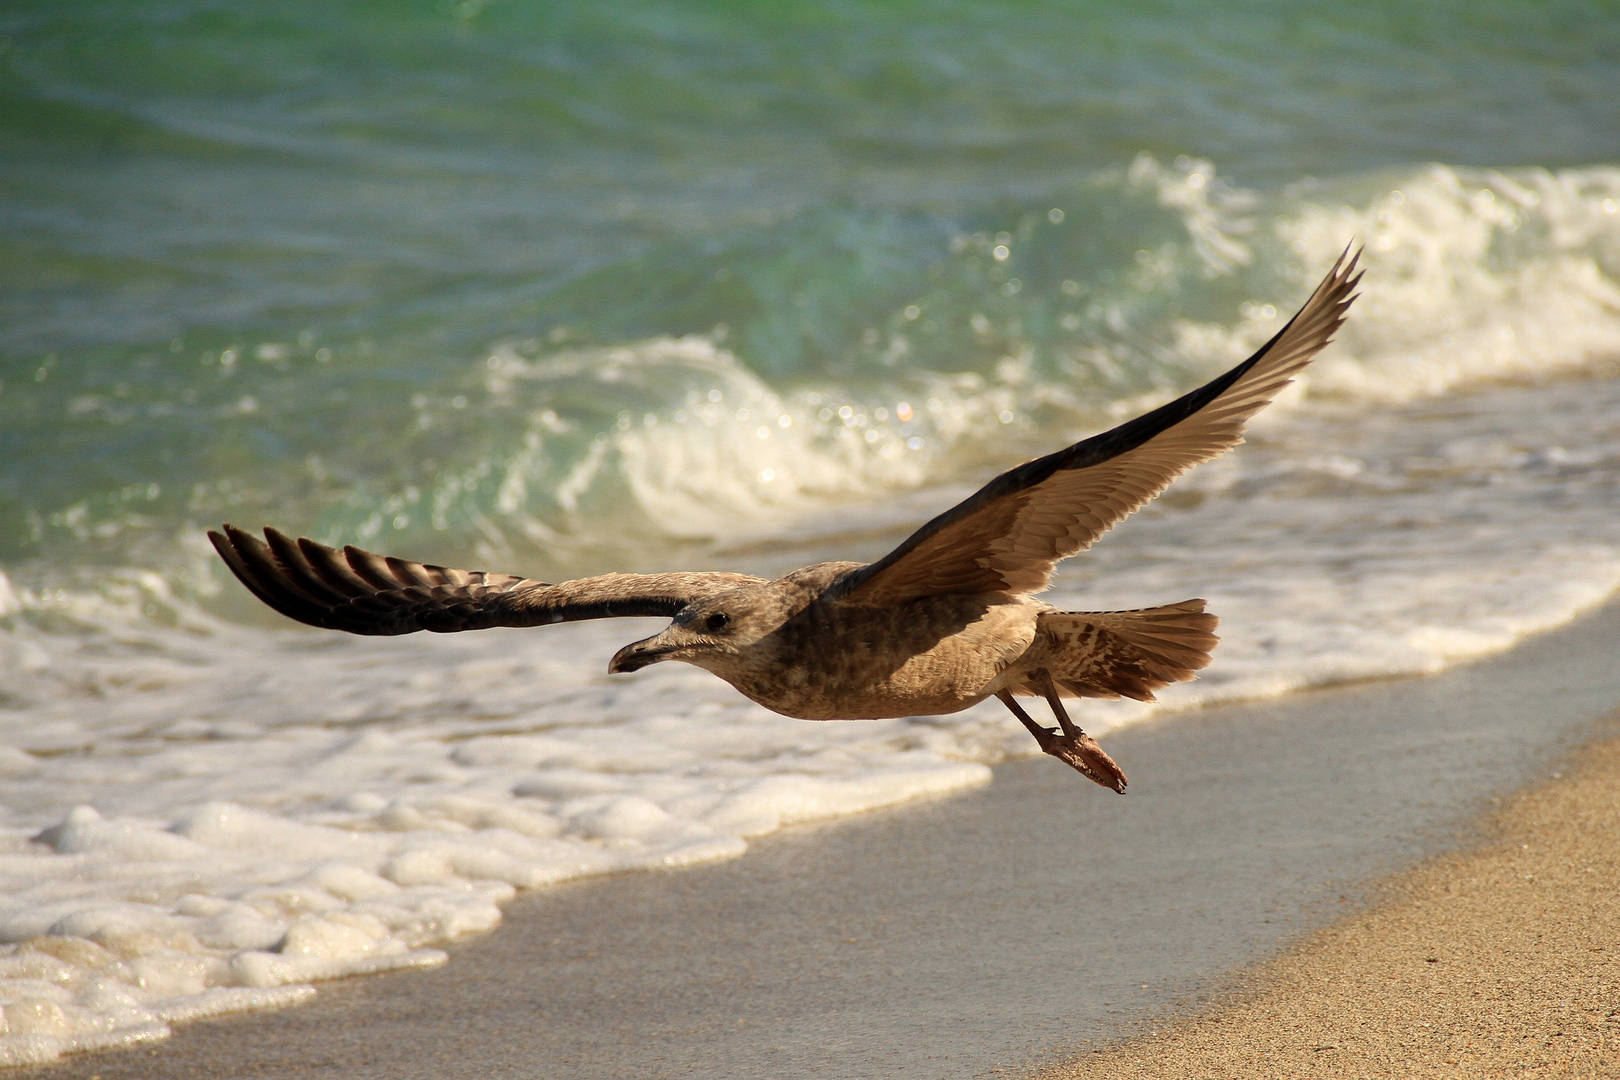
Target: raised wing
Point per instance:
(1008, 536)
(363, 593)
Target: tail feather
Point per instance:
(1112, 654)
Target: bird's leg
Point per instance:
(1062, 747)
(1042, 735)
(1049, 688)
(1078, 751)
(1074, 747)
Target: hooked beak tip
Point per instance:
(634, 657)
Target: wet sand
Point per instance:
(1022, 923)
(1504, 961)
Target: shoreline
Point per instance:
(996, 930)
(1500, 960)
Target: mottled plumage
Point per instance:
(944, 621)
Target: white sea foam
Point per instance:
(713, 451)
(202, 817)
(1480, 275)
(1475, 277)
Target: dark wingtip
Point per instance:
(226, 542)
(1348, 270)
(254, 564)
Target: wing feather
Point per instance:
(1008, 536)
(364, 593)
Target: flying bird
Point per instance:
(942, 622)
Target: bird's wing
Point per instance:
(363, 593)
(1008, 536)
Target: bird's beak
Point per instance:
(638, 654)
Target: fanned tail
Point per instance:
(1113, 654)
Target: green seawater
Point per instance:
(544, 281)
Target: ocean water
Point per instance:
(562, 288)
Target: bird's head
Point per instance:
(714, 633)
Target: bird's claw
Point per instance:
(1081, 752)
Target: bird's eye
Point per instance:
(717, 621)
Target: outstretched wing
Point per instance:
(1008, 536)
(363, 593)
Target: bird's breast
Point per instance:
(837, 662)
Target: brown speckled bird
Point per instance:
(942, 622)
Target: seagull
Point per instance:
(944, 621)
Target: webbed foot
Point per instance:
(1074, 747)
(1081, 752)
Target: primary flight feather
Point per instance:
(942, 622)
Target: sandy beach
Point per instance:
(1504, 961)
(1032, 921)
